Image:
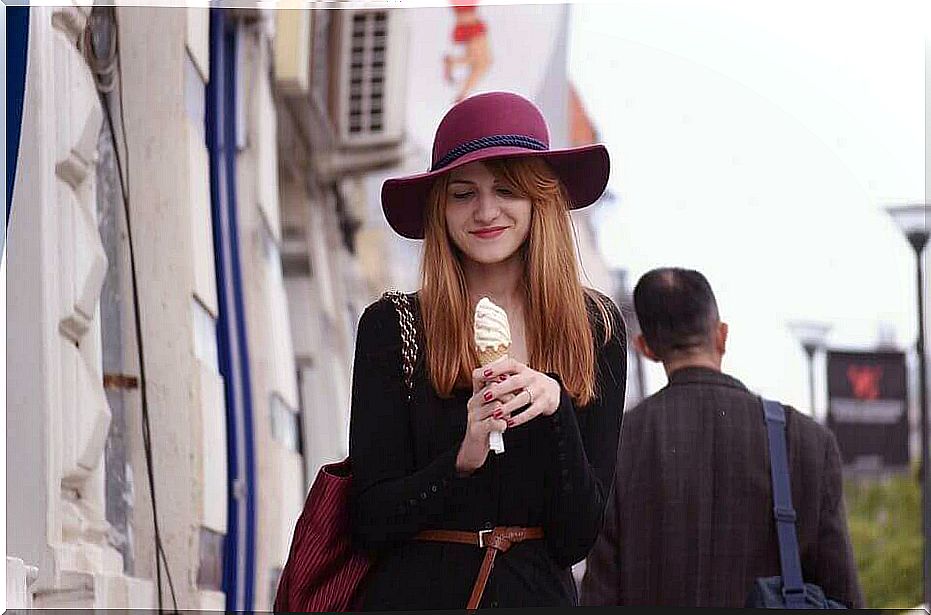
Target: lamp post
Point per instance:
(913, 220)
(812, 335)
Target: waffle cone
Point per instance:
(490, 355)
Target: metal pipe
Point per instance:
(918, 241)
(810, 351)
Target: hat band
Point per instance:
(484, 142)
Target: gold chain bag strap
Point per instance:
(402, 303)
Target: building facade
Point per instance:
(181, 156)
(195, 230)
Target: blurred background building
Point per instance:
(195, 231)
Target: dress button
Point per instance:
(494, 604)
(412, 502)
(423, 496)
(488, 525)
(433, 488)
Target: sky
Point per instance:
(759, 143)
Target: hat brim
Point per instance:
(583, 171)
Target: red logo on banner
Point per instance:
(864, 380)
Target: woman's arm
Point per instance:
(585, 444)
(390, 499)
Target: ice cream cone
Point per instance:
(487, 357)
(490, 355)
(492, 342)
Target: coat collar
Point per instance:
(704, 375)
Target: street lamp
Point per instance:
(913, 220)
(812, 335)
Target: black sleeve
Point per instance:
(585, 441)
(390, 497)
(603, 566)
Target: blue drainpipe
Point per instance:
(17, 44)
(239, 550)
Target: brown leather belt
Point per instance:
(494, 540)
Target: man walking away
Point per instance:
(690, 519)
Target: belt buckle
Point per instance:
(481, 537)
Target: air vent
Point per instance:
(367, 72)
(372, 61)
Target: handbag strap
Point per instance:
(402, 303)
(793, 587)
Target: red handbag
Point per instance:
(324, 571)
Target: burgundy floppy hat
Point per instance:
(493, 125)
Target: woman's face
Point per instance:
(485, 218)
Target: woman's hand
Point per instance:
(515, 385)
(500, 389)
(485, 415)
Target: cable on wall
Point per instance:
(101, 48)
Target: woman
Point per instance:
(493, 214)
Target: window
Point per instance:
(285, 424)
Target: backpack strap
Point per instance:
(793, 586)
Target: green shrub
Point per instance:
(885, 527)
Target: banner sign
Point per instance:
(867, 408)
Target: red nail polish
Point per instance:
(488, 372)
(488, 396)
(503, 377)
(498, 414)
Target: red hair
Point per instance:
(553, 292)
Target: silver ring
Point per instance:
(529, 395)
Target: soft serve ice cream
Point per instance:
(492, 340)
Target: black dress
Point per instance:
(555, 472)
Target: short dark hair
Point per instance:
(676, 309)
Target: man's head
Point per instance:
(679, 319)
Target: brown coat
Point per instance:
(689, 522)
